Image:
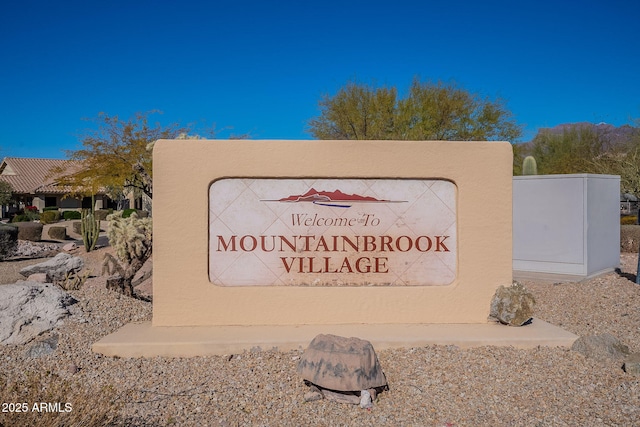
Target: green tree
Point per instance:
(116, 155)
(571, 151)
(357, 111)
(627, 165)
(519, 153)
(5, 192)
(429, 112)
(447, 112)
(623, 160)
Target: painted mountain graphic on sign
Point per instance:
(334, 198)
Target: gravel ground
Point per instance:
(429, 386)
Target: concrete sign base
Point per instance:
(144, 340)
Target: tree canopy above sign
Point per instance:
(115, 156)
(430, 111)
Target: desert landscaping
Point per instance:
(320, 214)
(430, 386)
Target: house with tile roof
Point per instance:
(34, 185)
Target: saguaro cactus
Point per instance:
(529, 166)
(90, 229)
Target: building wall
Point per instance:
(66, 203)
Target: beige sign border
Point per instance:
(184, 169)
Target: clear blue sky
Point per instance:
(260, 67)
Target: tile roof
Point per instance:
(31, 176)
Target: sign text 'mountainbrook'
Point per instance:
(362, 245)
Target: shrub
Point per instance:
(8, 240)
(49, 217)
(91, 406)
(628, 219)
(629, 238)
(21, 218)
(31, 231)
(127, 213)
(58, 233)
(29, 213)
(141, 214)
(50, 208)
(68, 215)
(101, 214)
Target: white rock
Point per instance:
(55, 268)
(28, 309)
(365, 399)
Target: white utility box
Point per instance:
(566, 224)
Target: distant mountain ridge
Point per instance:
(617, 133)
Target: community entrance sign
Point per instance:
(329, 232)
(269, 243)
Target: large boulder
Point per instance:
(341, 364)
(513, 305)
(601, 347)
(57, 268)
(28, 309)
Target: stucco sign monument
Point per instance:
(269, 243)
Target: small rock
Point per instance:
(70, 247)
(28, 249)
(365, 399)
(632, 364)
(601, 347)
(513, 306)
(73, 369)
(43, 347)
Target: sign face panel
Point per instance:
(332, 232)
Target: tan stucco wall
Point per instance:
(184, 170)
